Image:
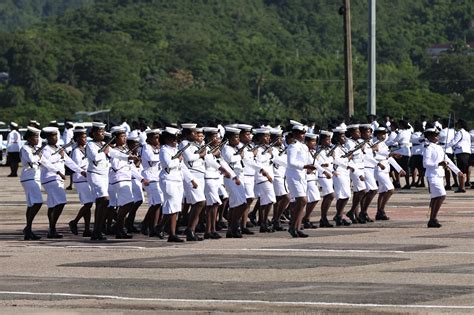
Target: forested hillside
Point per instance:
(235, 59)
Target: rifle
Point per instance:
(271, 145)
(133, 148)
(242, 148)
(203, 147)
(38, 151)
(375, 143)
(218, 147)
(181, 151)
(106, 144)
(283, 151)
(70, 143)
(357, 147)
(330, 152)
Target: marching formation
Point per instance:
(195, 177)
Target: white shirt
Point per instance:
(296, 160)
(434, 154)
(98, 161)
(418, 143)
(52, 163)
(280, 161)
(461, 142)
(173, 169)
(68, 134)
(30, 162)
(13, 141)
(78, 155)
(234, 160)
(192, 159)
(403, 140)
(151, 163)
(263, 161)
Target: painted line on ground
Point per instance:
(244, 302)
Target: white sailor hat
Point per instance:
(262, 131)
(133, 138)
(50, 129)
(68, 122)
(381, 130)
(232, 126)
(200, 130)
(152, 131)
(172, 131)
(33, 130)
(325, 133)
(117, 129)
(53, 122)
(295, 123)
(432, 130)
(14, 124)
(365, 126)
(232, 130)
(300, 128)
(311, 136)
(210, 129)
(339, 130)
(244, 127)
(276, 131)
(353, 126)
(107, 134)
(32, 121)
(79, 129)
(98, 124)
(189, 126)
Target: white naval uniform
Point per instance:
(97, 170)
(213, 178)
(434, 154)
(151, 171)
(357, 164)
(13, 141)
(30, 175)
(403, 139)
(51, 164)
(67, 136)
(461, 142)
(383, 176)
(280, 161)
(327, 185)
(237, 195)
(173, 173)
(370, 163)
(249, 171)
(342, 176)
(295, 173)
(263, 187)
(312, 192)
(83, 188)
(196, 167)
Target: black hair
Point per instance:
(166, 137)
(28, 134)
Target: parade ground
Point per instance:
(396, 266)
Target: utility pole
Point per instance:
(349, 92)
(371, 100)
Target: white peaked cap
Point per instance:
(188, 126)
(99, 125)
(33, 130)
(232, 130)
(172, 130)
(210, 129)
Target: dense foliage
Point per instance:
(232, 59)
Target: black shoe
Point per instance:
(277, 226)
(191, 236)
(460, 190)
(12, 175)
(406, 187)
(324, 223)
(455, 185)
(73, 227)
(233, 234)
(447, 187)
(352, 217)
(221, 225)
(132, 229)
(175, 239)
(69, 188)
(396, 184)
(301, 234)
(422, 185)
(381, 216)
(86, 233)
(158, 232)
(207, 236)
(29, 235)
(292, 232)
(144, 228)
(361, 219)
(123, 235)
(266, 229)
(53, 234)
(215, 236)
(341, 221)
(309, 225)
(434, 224)
(246, 231)
(97, 236)
(368, 219)
(253, 219)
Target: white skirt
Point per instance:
(137, 190)
(222, 191)
(342, 186)
(326, 185)
(113, 200)
(236, 192)
(212, 191)
(154, 194)
(279, 185)
(384, 181)
(99, 184)
(249, 181)
(357, 184)
(313, 191)
(266, 193)
(85, 193)
(370, 183)
(436, 185)
(195, 195)
(297, 188)
(56, 193)
(32, 190)
(123, 191)
(172, 196)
